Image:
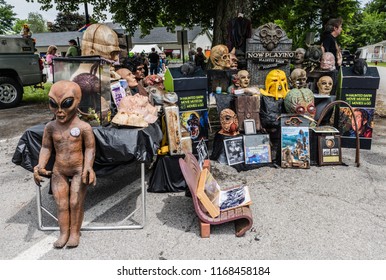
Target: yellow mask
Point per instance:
(275, 84)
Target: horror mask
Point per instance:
(298, 78)
(99, 39)
(275, 84)
(300, 101)
(220, 57)
(327, 62)
(299, 55)
(325, 84)
(128, 76)
(270, 35)
(229, 123)
(64, 98)
(234, 60)
(244, 78)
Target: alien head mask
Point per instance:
(300, 101)
(298, 78)
(229, 123)
(64, 98)
(275, 84)
(99, 39)
(220, 57)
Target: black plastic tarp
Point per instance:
(114, 147)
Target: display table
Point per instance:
(114, 147)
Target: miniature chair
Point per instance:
(242, 216)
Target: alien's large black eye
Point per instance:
(67, 103)
(53, 104)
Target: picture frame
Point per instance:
(329, 148)
(249, 126)
(234, 150)
(257, 149)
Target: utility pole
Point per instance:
(86, 12)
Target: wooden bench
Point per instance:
(242, 216)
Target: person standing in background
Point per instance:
(72, 49)
(154, 61)
(50, 55)
(200, 58)
(332, 30)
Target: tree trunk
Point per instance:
(226, 10)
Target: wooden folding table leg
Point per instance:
(205, 230)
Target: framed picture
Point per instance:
(257, 149)
(234, 150)
(249, 126)
(329, 150)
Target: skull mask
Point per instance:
(64, 98)
(220, 57)
(300, 101)
(298, 78)
(275, 84)
(325, 84)
(270, 35)
(229, 123)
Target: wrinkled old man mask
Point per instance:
(128, 76)
(64, 98)
(229, 122)
(299, 55)
(270, 35)
(327, 62)
(275, 84)
(220, 57)
(298, 78)
(99, 39)
(300, 101)
(325, 84)
(244, 78)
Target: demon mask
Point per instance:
(229, 123)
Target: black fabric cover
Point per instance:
(114, 147)
(167, 175)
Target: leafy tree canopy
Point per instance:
(36, 23)
(67, 22)
(7, 17)
(18, 26)
(296, 17)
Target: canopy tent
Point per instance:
(145, 48)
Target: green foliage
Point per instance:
(36, 23)
(36, 95)
(7, 17)
(18, 26)
(67, 22)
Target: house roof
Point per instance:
(158, 35)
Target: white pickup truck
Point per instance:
(19, 67)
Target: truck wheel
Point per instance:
(11, 93)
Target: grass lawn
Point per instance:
(36, 95)
(383, 64)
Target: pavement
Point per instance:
(322, 213)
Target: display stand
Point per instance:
(115, 147)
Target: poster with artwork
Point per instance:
(257, 149)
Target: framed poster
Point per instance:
(257, 149)
(234, 150)
(329, 150)
(249, 126)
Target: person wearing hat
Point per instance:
(72, 49)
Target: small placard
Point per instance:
(330, 152)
